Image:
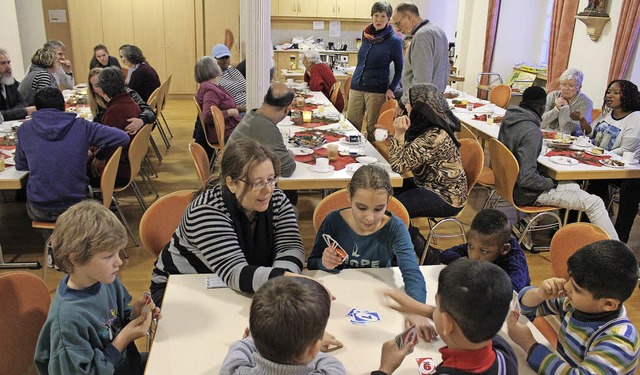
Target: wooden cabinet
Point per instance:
(363, 8)
(336, 9)
(215, 26)
(274, 8)
(298, 8)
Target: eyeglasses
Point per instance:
(395, 24)
(259, 185)
(568, 85)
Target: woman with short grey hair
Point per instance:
(566, 106)
(141, 76)
(43, 63)
(211, 93)
(320, 77)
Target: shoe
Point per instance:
(527, 242)
(50, 263)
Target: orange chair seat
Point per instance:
(536, 209)
(43, 225)
(487, 177)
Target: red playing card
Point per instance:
(426, 365)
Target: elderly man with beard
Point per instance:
(12, 106)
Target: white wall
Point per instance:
(594, 58)
(472, 24)
(10, 37)
(633, 74)
(443, 14)
(31, 27)
(518, 38)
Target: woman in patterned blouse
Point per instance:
(424, 143)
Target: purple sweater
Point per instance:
(514, 264)
(53, 146)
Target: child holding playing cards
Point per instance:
(287, 321)
(472, 303)
(490, 240)
(370, 235)
(91, 328)
(597, 337)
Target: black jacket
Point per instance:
(13, 107)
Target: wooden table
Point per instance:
(305, 178)
(198, 325)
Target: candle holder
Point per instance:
(306, 116)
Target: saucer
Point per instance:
(301, 151)
(330, 168)
(366, 159)
(353, 167)
(588, 151)
(564, 160)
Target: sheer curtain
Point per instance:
(489, 42)
(626, 39)
(562, 26)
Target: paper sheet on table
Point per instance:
(213, 282)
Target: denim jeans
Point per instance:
(421, 202)
(359, 102)
(628, 205)
(569, 195)
(50, 216)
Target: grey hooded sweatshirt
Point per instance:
(520, 132)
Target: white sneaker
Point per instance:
(50, 263)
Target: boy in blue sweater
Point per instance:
(54, 148)
(91, 328)
(490, 240)
(595, 337)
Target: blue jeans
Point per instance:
(421, 202)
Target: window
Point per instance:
(544, 53)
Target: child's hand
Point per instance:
(139, 306)
(551, 288)
(246, 333)
(392, 357)
(426, 328)
(518, 332)
(401, 302)
(136, 329)
(330, 258)
(329, 343)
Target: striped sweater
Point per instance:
(584, 347)
(205, 242)
(234, 82)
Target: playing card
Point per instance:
(147, 303)
(333, 244)
(426, 365)
(409, 335)
(363, 316)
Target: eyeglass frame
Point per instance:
(254, 186)
(395, 24)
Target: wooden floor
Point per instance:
(22, 243)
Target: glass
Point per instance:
(395, 24)
(490, 118)
(296, 117)
(300, 101)
(332, 152)
(342, 120)
(320, 108)
(259, 185)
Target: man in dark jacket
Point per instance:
(12, 107)
(520, 132)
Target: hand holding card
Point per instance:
(333, 255)
(408, 336)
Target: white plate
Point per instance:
(353, 167)
(329, 169)
(81, 86)
(366, 159)
(636, 161)
(588, 144)
(286, 122)
(564, 160)
(588, 151)
(605, 162)
(344, 140)
(301, 151)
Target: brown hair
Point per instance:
(238, 159)
(95, 100)
(82, 231)
(287, 316)
(44, 58)
(370, 177)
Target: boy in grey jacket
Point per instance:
(520, 132)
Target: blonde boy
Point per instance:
(90, 328)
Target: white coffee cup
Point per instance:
(583, 140)
(289, 80)
(381, 134)
(628, 157)
(322, 164)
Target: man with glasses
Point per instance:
(564, 107)
(260, 125)
(427, 58)
(12, 106)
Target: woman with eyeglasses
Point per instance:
(239, 226)
(566, 105)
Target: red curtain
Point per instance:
(626, 39)
(489, 42)
(562, 25)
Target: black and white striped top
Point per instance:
(234, 82)
(206, 242)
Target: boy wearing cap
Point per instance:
(231, 79)
(520, 133)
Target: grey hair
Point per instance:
(574, 74)
(312, 56)
(382, 7)
(54, 44)
(206, 68)
(3, 52)
(408, 8)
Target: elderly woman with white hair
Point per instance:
(320, 77)
(566, 106)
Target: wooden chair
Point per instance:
(217, 151)
(24, 305)
(472, 161)
(340, 199)
(500, 95)
(153, 103)
(347, 88)
(506, 170)
(389, 104)
(385, 120)
(333, 94)
(160, 221)
(201, 161)
(137, 152)
(465, 132)
(228, 38)
(218, 122)
(161, 103)
(595, 113)
(486, 179)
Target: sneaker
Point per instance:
(50, 263)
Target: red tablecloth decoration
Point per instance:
(322, 153)
(475, 105)
(580, 156)
(307, 107)
(328, 135)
